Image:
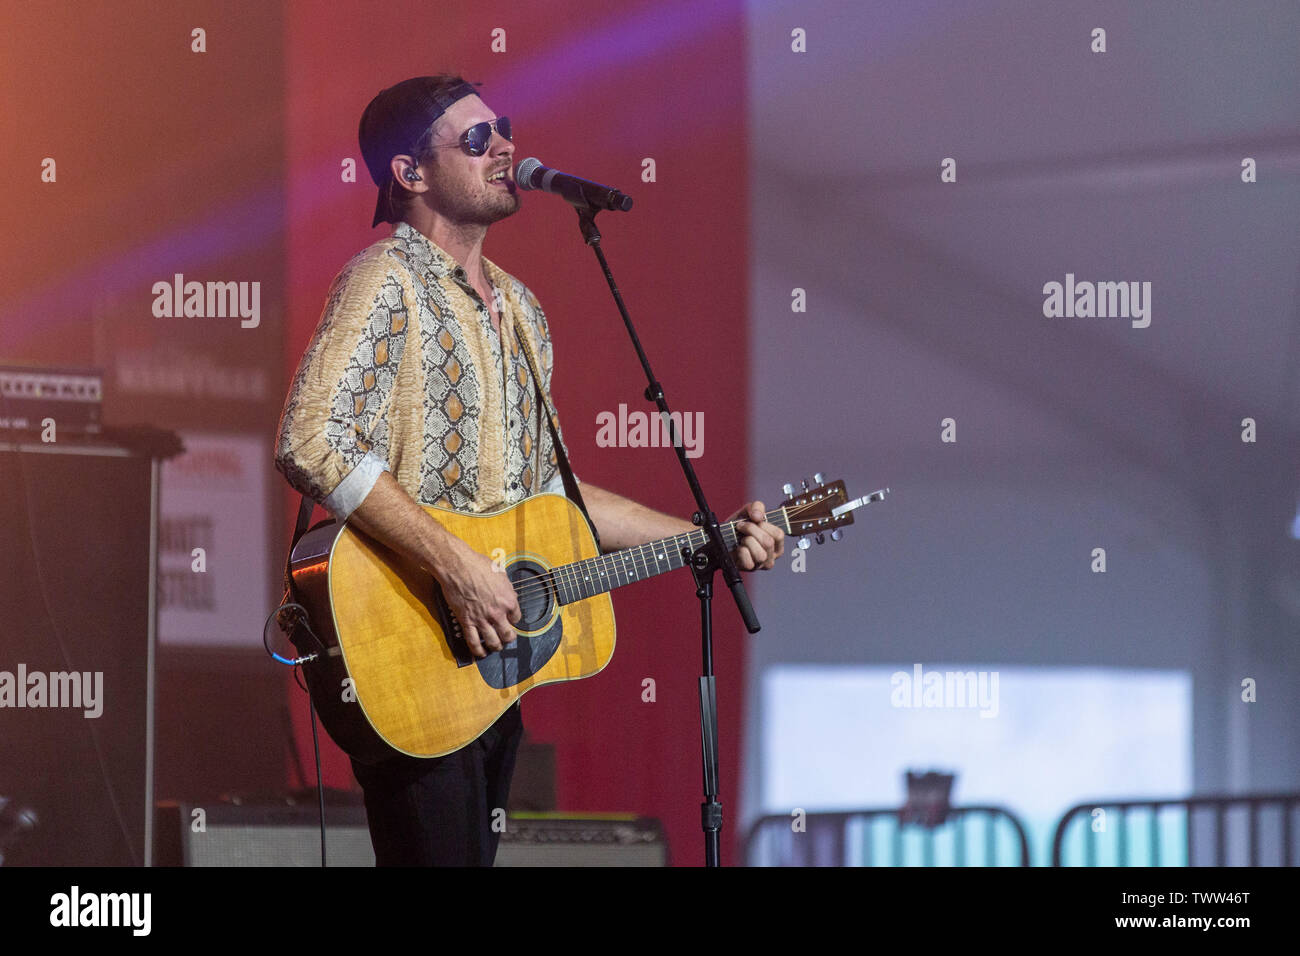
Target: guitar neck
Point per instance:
(592, 576)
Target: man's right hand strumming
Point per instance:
(480, 595)
(482, 598)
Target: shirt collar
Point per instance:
(426, 255)
(436, 263)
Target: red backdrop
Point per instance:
(226, 164)
(596, 91)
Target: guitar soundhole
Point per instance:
(534, 592)
(528, 653)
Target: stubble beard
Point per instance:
(508, 204)
(483, 210)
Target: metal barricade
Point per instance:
(968, 836)
(1236, 830)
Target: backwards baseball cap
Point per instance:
(396, 121)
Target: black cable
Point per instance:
(287, 616)
(286, 726)
(320, 786)
(290, 615)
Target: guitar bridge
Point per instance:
(451, 629)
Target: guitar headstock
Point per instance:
(821, 507)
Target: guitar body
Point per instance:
(414, 687)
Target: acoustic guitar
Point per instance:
(392, 672)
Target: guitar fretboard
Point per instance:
(592, 576)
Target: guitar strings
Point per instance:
(547, 581)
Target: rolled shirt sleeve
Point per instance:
(333, 437)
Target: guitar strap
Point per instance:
(305, 509)
(566, 473)
(287, 620)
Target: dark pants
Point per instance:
(440, 811)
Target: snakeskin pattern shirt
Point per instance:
(406, 374)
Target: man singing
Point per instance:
(415, 390)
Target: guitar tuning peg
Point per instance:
(821, 538)
(819, 477)
(804, 543)
(837, 533)
(787, 489)
(804, 482)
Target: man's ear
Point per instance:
(406, 172)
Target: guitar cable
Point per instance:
(288, 616)
(320, 783)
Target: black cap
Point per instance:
(396, 121)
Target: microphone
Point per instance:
(531, 174)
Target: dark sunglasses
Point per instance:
(475, 140)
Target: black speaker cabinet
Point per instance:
(78, 533)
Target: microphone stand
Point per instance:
(703, 561)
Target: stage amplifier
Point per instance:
(72, 397)
(284, 835)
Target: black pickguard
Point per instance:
(526, 655)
